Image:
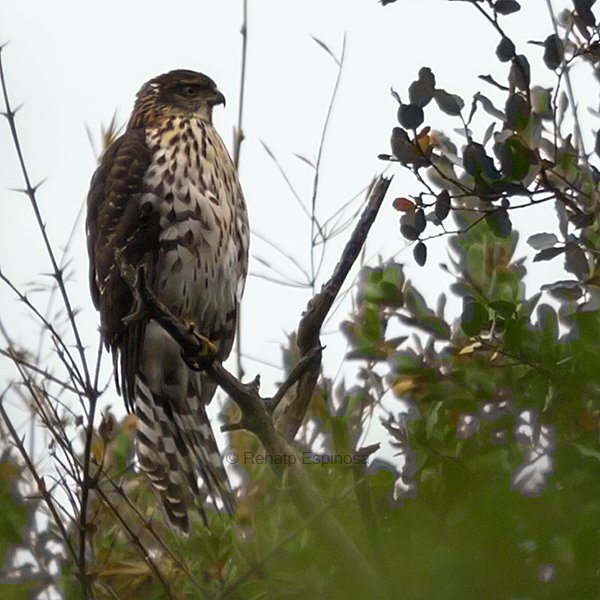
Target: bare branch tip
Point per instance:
(35, 188)
(19, 191)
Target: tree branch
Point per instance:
(312, 320)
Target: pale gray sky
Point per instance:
(73, 64)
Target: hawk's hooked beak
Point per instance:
(217, 99)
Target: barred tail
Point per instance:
(175, 446)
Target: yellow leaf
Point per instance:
(97, 449)
(470, 348)
(424, 139)
(403, 385)
(131, 569)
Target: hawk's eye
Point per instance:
(188, 90)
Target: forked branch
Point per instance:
(318, 308)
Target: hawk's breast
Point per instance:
(202, 245)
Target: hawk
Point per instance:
(166, 198)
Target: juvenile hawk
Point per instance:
(166, 197)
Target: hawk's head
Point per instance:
(179, 92)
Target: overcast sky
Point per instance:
(73, 64)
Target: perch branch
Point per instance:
(257, 418)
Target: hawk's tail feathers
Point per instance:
(174, 448)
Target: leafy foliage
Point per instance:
(526, 156)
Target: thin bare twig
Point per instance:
(287, 180)
(279, 274)
(315, 226)
(567, 76)
(61, 347)
(283, 253)
(12, 354)
(237, 146)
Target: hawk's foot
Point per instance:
(207, 352)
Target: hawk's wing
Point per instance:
(116, 222)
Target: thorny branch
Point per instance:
(86, 380)
(30, 192)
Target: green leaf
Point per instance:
(499, 223)
(517, 111)
(576, 261)
(474, 316)
(451, 104)
(514, 332)
(515, 158)
(122, 451)
(547, 254)
(564, 289)
(477, 163)
(383, 286)
(488, 106)
(505, 50)
(419, 221)
(405, 151)
(541, 241)
(506, 7)
(520, 72)
(371, 329)
(489, 79)
(410, 116)
(421, 91)
(420, 254)
(442, 206)
(503, 308)
(580, 220)
(412, 224)
(433, 419)
(409, 231)
(554, 52)
(430, 324)
(584, 11)
(505, 286)
(541, 101)
(23, 591)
